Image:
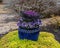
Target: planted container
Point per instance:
(29, 25)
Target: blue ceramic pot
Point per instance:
(28, 34)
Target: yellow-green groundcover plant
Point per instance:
(45, 40)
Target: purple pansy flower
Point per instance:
(30, 24)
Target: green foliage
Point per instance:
(45, 40)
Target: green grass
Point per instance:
(45, 40)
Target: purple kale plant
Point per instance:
(30, 24)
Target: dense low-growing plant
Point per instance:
(45, 40)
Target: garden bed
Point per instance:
(45, 40)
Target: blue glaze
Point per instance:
(25, 34)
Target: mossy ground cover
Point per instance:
(45, 40)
